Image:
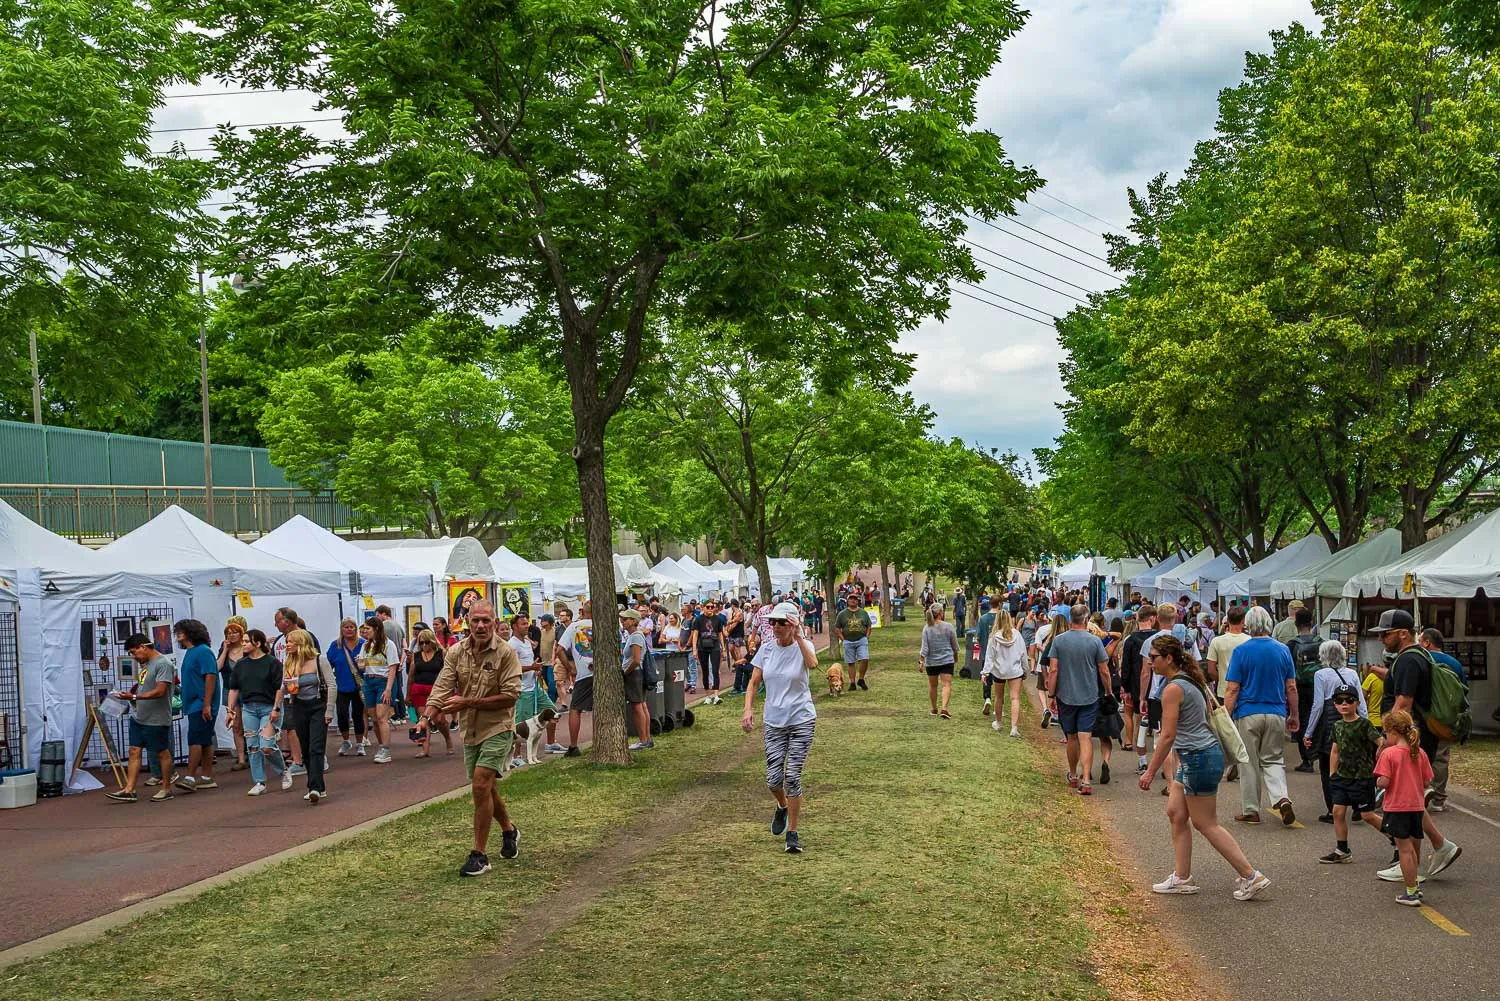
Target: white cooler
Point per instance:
(17, 789)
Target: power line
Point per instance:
(257, 125)
(1028, 267)
(1086, 212)
(1065, 219)
(1074, 260)
(997, 295)
(989, 265)
(234, 93)
(1003, 309)
(1065, 243)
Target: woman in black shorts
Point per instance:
(937, 657)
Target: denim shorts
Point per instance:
(856, 649)
(375, 691)
(1200, 771)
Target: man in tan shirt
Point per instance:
(480, 682)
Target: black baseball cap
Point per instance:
(1345, 693)
(1394, 618)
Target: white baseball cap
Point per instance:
(785, 610)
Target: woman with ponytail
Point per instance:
(1403, 771)
(1194, 789)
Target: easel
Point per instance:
(116, 768)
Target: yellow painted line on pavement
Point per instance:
(1431, 914)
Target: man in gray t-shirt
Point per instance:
(1078, 666)
(150, 717)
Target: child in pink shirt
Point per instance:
(1403, 771)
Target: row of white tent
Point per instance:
(177, 566)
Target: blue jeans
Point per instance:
(692, 669)
(259, 748)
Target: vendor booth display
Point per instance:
(518, 581)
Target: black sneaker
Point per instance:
(1336, 857)
(510, 842)
(793, 846)
(1104, 774)
(864, 688)
(1327, 818)
(572, 752)
(1306, 766)
(778, 821)
(477, 865)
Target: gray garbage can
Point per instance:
(655, 710)
(673, 665)
(971, 664)
(898, 609)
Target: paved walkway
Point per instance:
(67, 860)
(1320, 930)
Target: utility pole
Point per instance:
(36, 372)
(208, 447)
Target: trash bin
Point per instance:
(898, 609)
(673, 665)
(654, 710)
(971, 655)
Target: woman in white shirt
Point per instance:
(377, 661)
(671, 633)
(789, 715)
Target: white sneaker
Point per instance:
(325, 764)
(518, 762)
(286, 781)
(257, 789)
(345, 749)
(359, 751)
(1442, 858)
(382, 755)
(314, 797)
(1392, 873)
(995, 726)
(1175, 884)
(1014, 732)
(989, 707)
(555, 749)
(1246, 889)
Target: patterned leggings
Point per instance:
(786, 753)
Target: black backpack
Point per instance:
(1304, 648)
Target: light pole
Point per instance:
(208, 446)
(36, 371)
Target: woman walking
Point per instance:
(789, 715)
(308, 680)
(425, 665)
(377, 664)
(230, 652)
(1200, 763)
(1005, 660)
(344, 656)
(255, 708)
(938, 654)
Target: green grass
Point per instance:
(937, 865)
(1477, 765)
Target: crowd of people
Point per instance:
(1203, 696)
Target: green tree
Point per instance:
(407, 436)
(608, 167)
(96, 231)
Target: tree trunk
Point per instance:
(830, 609)
(1413, 517)
(763, 568)
(885, 592)
(609, 684)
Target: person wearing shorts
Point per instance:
(481, 681)
(1193, 796)
(852, 628)
(426, 665)
(1078, 669)
(633, 662)
(150, 717)
(575, 650)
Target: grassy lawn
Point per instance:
(942, 861)
(1477, 765)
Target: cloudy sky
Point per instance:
(1096, 95)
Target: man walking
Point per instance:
(575, 649)
(1409, 687)
(199, 674)
(481, 681)
(1261, 696)
(1431, 640)
(852, 629)
(1286, 629)
(150, 717)
(1078, 668)
(1304, 650)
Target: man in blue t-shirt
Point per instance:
(1078, 670)
(1261, 696)
(198, 674)
(1431, 640)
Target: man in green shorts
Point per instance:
(852, 628)
(481, 682)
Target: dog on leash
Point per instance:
(836, 679)
(532, 732)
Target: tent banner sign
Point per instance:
(515, 599)
(462, 595)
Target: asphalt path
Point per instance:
(67, 860)
(1321, 931)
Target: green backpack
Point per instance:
(1450, 717)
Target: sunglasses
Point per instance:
(1345, 702)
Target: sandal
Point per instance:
(945, 714)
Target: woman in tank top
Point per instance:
(1191, 805)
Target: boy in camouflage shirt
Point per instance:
(1351, 766)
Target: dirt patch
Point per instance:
(599, 871)
(1135, 957)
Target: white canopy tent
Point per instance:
(1257, 578)
(739, 575)
(1077, 572)
(511, 573)
(1326, 578)
(1198, 577)
(711, 579)
(446, 560)
(225, 572)
(364, 573)
(1457, 564)
(570, 578)
(1145, 582)
(671, 574)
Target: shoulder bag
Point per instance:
(1224, 728)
